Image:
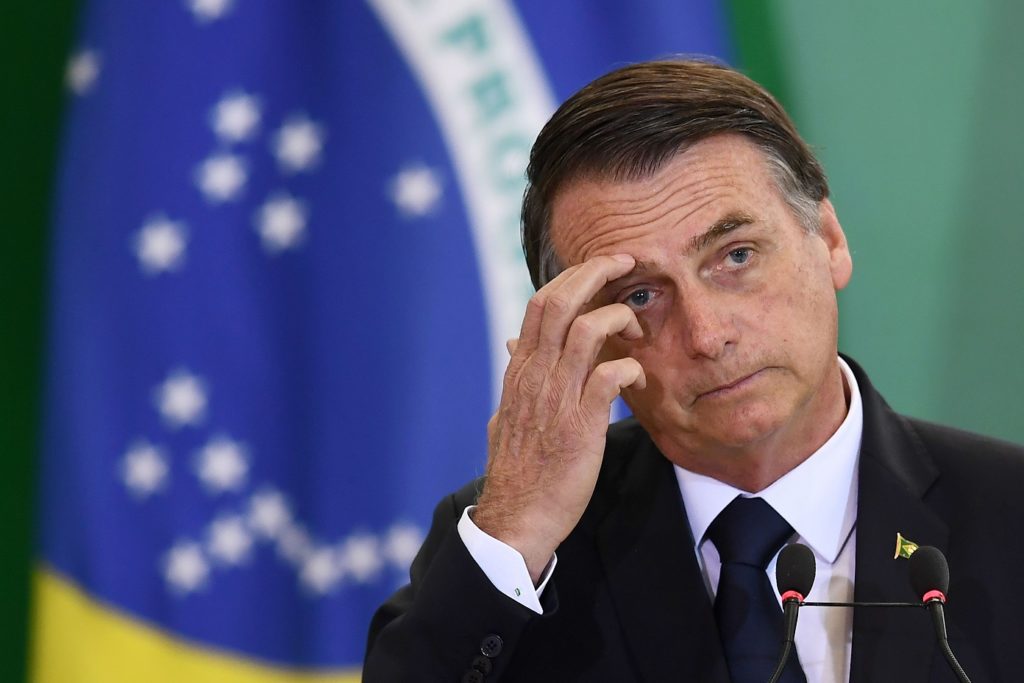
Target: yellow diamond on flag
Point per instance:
(904, 547)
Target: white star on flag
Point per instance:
(295, 545)
(160, 245)
(144, 469)
(229, 540)
(181, 399)
(185, 568)
(222, 465)
(320, 572)
(402, 543)
(206, 11)
(361, 557)
(269, 514)
(221, 177)
(297, 144)
(82, 71)
(416, 190)
(281, 222)
(235, 117)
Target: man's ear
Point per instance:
(840, 261)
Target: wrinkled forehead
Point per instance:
(591, 209)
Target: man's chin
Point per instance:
(747, 423)
(714, 431)
(736, 429)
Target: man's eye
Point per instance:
(740, 256)
(639, 298)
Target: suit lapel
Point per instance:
(645, 546)
(895, 473)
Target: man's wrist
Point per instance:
(537, 556)
(504, 565)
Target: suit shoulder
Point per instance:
(467, 495)
(970, 453)
(625, 438)
(627, 444)
(624, 435)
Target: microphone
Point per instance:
(794, 576)
(929, 577)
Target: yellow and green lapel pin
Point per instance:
(904, 547)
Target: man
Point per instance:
(687, 256)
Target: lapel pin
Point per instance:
(904, 547)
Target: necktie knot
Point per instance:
(749, 531)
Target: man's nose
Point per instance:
(707, 327)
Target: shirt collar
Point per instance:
(818, 497)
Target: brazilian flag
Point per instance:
(285, 259)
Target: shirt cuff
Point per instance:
(503, 565)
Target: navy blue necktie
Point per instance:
(747, 534)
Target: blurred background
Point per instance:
(259, 260)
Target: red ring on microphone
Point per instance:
(934, 595)
(793, 595)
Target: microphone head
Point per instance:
(795, 569)
(928, 571)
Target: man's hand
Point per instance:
(546, 441)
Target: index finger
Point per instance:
(529, 333)
(565, 303)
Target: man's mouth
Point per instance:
(730, 387)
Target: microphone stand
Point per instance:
(861, 604)
(933, 603)
(791, 603)
(929, 577)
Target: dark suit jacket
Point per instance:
(627, 601)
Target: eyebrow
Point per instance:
(721, 227)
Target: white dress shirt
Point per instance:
(818, 499)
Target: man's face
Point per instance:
(736, 299)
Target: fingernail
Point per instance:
(624, 258)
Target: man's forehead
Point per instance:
(729, 154)
(590, 211)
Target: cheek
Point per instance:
(654, 401)
(805, 320)
(666, 370)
